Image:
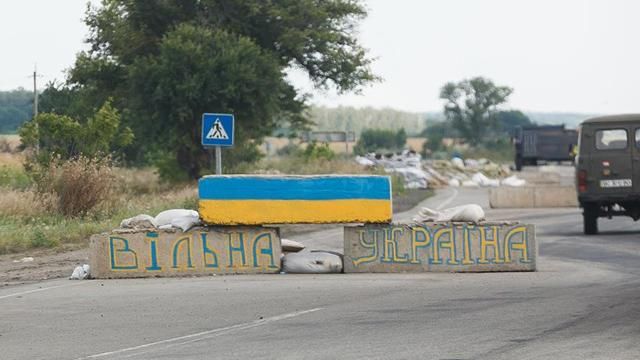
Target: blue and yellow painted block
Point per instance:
(200, 251)
(265, 199)
(444, 247)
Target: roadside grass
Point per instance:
(32, 219)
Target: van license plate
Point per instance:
(615, 183)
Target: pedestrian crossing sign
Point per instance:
(217, 129)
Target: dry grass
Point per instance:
(25, 204)
(287, 165)
(9, 143)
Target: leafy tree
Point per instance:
(64, 137)
(471, 106)
(380, 139)
(16, 107)
(508, 121)
(165, 62)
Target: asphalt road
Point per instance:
(583, 303)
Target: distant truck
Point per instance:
(549, 143)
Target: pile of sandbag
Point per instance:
(182, 219)
(407, 164)
(470, 173)
(294, 261)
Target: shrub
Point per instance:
(315, 151)
(78, 185)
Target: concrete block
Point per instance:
(200, 251)
(551, 196)
(257, 200)
(512, 197)
(440, 247)
(556, 196)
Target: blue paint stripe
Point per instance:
(294, 188)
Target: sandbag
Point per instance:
(513, 181)
(81, 272)
(142, 221)
(291, 246)
(483, 180)
(180, 218)
(465, 213)
(312, 263)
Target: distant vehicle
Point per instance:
(549, 143)
(608, 169)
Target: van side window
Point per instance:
(612, 139)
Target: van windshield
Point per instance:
(611, 139)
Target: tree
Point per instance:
(165, 62)
(380, 139)
(16, 107)
(509, 120)
(471, 106)
(67, 138)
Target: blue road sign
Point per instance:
(217, 130)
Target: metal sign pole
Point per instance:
(218, 160)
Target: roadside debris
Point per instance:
(420, 174)
(316, 262)
(290, 246)
(465, 213)
(81, 273)
(24, 260)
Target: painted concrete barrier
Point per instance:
(257, 200)
(533, 197)
(220, 250)
(440, 247)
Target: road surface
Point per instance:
(583, 303)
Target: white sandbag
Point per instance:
(291, 246)
(142, 221)
(186, 222)
(463, 213)
(470, 183)
(513, 181)
(483, 180)
(364, 161)
(454, 182)
(457, 162)
(166, 217)
(312, 263)
(81, 272)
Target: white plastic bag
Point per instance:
(291, 246)
(142, 221)
(312, 263)
(81, 272)
(464, 213)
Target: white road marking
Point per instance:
(79, 282)
(180, 340)
(448, 200)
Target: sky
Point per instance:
(567, 56)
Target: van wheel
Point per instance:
(590, 218)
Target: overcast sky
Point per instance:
(569, 55)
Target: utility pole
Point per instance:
(35, 93)
(35, 106)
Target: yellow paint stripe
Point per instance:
(254, 212)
